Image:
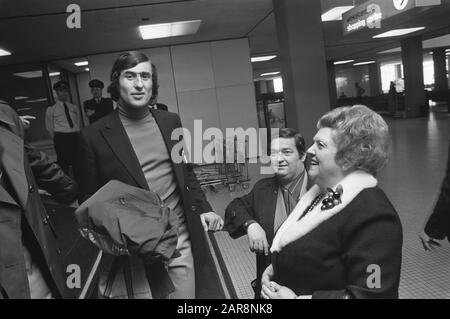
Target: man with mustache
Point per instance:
(261, 212)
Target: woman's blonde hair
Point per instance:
(361, 136)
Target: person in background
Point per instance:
(438, 224)
(261, 212)
(63, 121)
(98, 106)
(344, 238)
(392, 99)
(359, 90)
(30, 259)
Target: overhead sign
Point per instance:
(400, 4)
(370, 14)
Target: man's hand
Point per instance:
(428, 243)
(276, 291)
(211, 221)
(257, 240)
(26, 120)
(267, 276)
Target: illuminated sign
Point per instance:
(400, 4)
(369, 17)
(370, 14)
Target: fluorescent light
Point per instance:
(364, 63)
(87, 69)
(4, 52)
(37, 100)
(262, 58)
(343, 62)
(335, 13)
(270, 73)
(398, 49)
(29, 74)
(54, 73)
(397, 32)
(172, 29)
(81, 63)
(447, 50)
(18, 98)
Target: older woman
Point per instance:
(344, 238)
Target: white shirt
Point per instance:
(56, 119)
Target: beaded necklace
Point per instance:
(333, 198)
(312, 205)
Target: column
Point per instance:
(303, 63)
(412, 59)
(440, 72)
(332, 84)
(374, 79)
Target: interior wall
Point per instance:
(83, 87)
(208, 81)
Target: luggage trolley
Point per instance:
(228, 171)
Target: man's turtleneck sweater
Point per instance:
(151, 151)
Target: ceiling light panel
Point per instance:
(343, 62)
(336, 13)
(262, 58)
(166, 30)
(398, 32)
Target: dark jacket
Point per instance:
(106, 153)
(258, 205)
(438, 225)
(22, 214)
(338, 257)
(100, 109)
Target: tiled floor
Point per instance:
(411, 180)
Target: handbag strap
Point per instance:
(127, 276)
(111, 276)
(158, 278)
(3, 292)
(124, 263)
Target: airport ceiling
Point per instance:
(35, 30)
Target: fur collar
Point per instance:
(293, 229)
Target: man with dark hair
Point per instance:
(30, 259)
(261, 212)
(133, 145)
(98, 106)
(63, 121)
